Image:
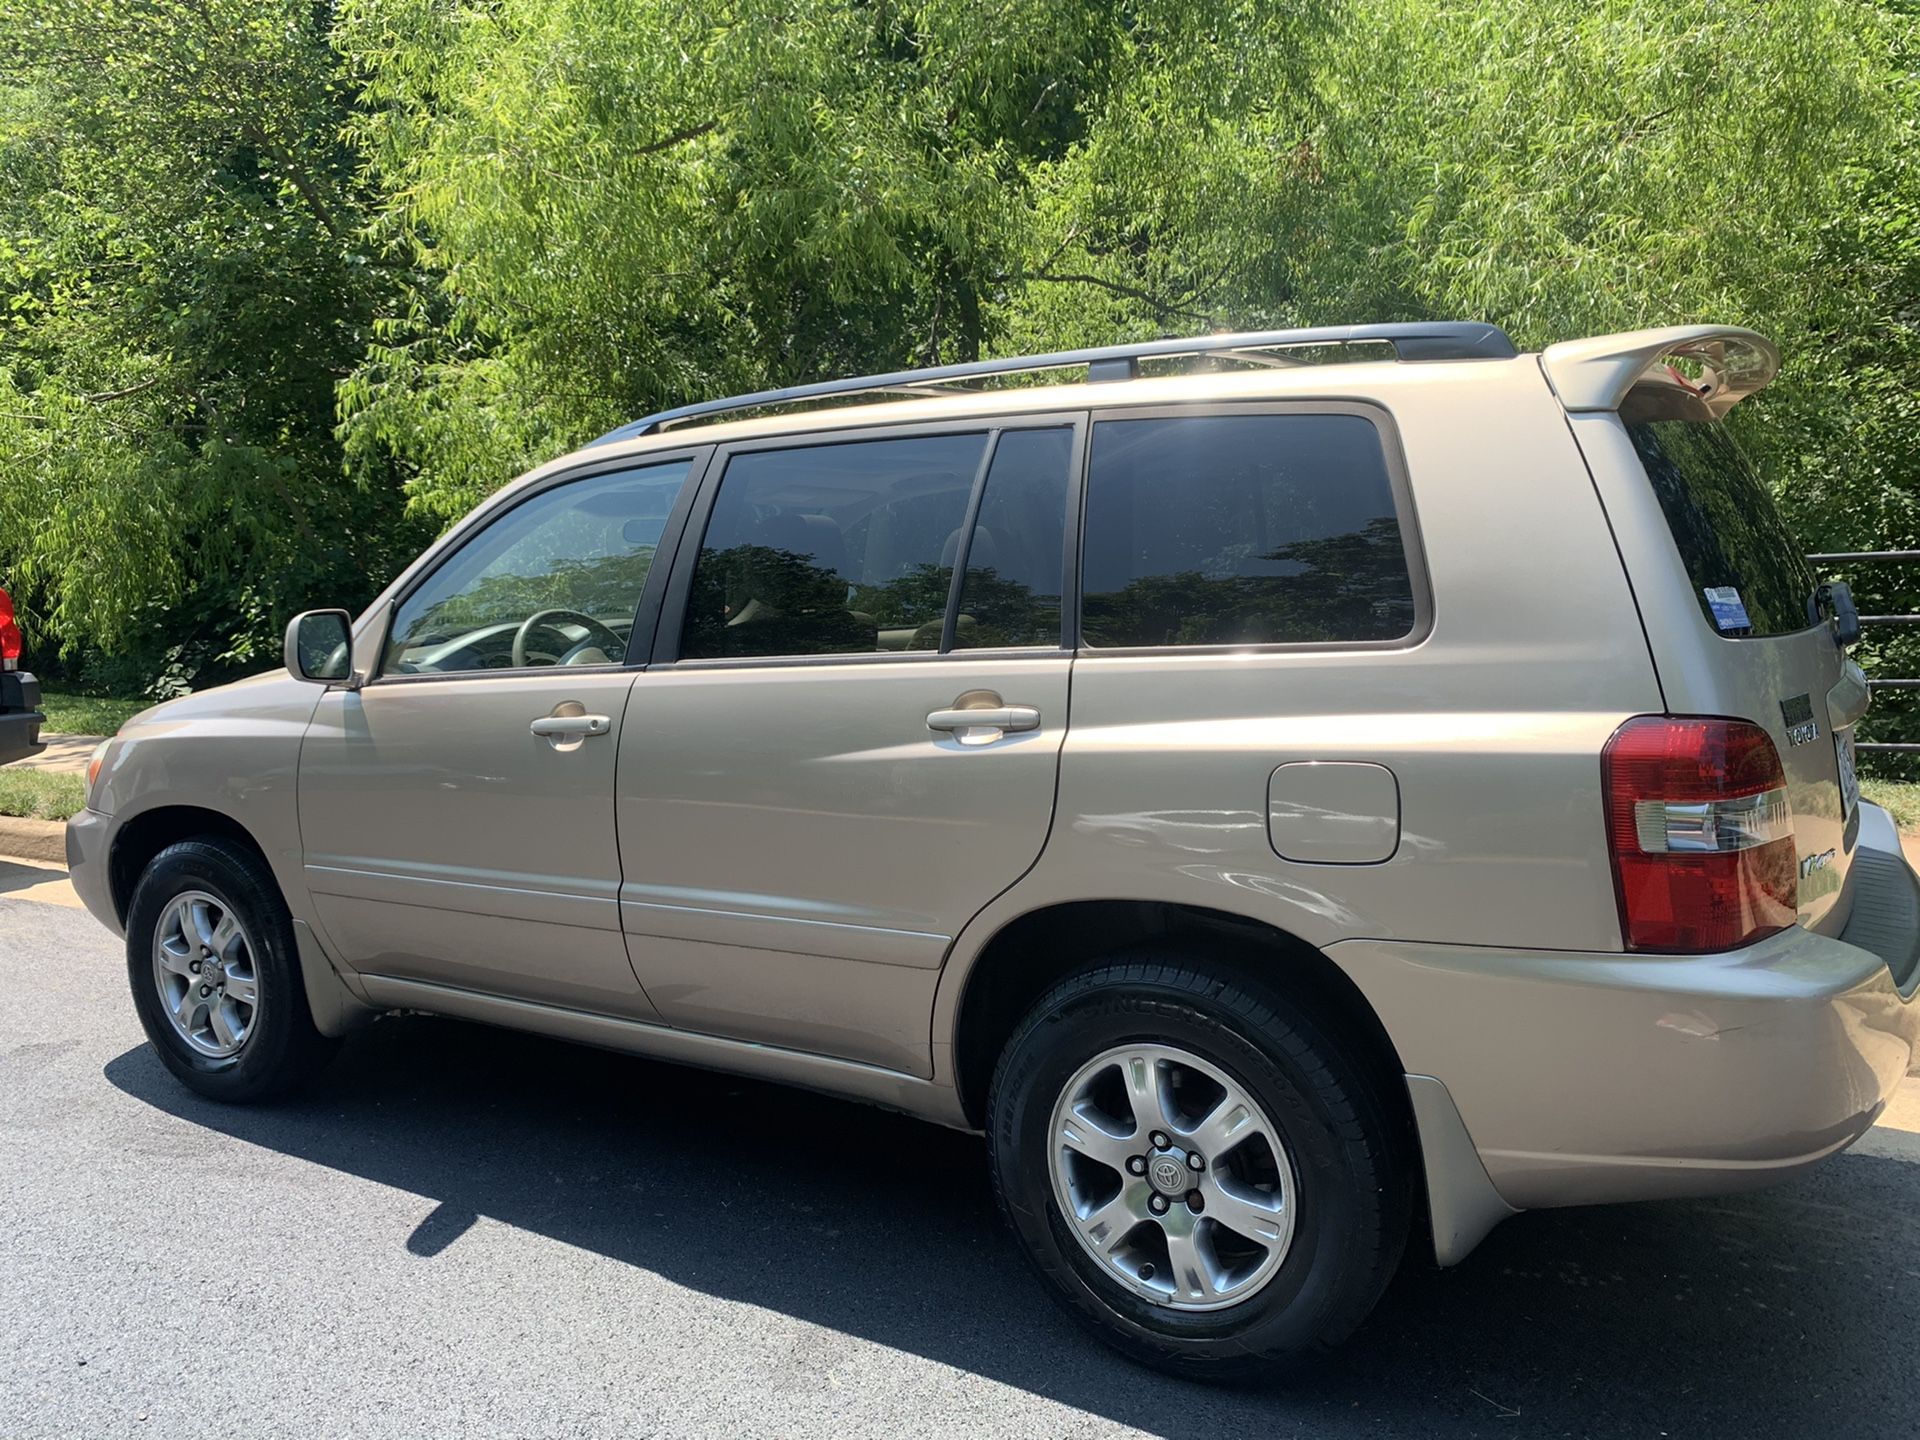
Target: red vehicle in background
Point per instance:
(20, 717)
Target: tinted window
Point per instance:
(583, 548)
(1242, 530)
(1744, 564)
(832, 549)
(1011, 595)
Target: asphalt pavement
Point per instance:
(462, 1231)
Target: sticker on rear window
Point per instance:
(1728, 611)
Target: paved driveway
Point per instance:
(66, 754)
(466, 1232)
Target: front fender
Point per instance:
(234, 752)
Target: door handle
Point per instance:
(571, 726)
(1002, 718)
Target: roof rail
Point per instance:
(1415, 340)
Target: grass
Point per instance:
(40, 794)
(72, 714)
(1900, 797)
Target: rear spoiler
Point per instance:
(1596, 374)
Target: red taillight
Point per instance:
(10, 641)
(1702, 834)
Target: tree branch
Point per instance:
(295, 172)
(679, 137)
(1164, 309)
(103, 396)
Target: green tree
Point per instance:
(184, 290)
(622, 205)
(1573, 170)
(273, 270)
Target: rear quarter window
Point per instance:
(1743, 562)
(1258, 529)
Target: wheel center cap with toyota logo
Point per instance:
(1167, 1173)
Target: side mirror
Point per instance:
(319, 647)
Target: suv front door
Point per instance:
(456, 812)
(805, 822)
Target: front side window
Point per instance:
(1257, 529)
(555, 580)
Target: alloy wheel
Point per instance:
(203, 968)
(1172, 1177)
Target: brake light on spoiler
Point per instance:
(1701, 832)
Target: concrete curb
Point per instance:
(44, 840)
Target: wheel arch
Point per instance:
(336, 1006)
(1030, 953)
(141, 837)
(1033, 951)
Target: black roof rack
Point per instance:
(1416, 340)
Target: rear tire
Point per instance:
(215, 974)
(1302, 1207)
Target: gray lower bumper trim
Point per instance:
(1886, 901)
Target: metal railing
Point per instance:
(1895, 557)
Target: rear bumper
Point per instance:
(1586, 1077)
(20, 717)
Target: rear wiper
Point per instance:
(1832, 597)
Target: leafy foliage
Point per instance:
(184, 291)
(287, 286)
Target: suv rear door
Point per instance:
(804, 822)
(1724, 596)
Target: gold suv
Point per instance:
(1266, 797)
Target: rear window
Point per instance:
(1749, 577)
(1256, 529)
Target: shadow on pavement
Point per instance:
(16, 876)
(1789, 1312)
(20, 880)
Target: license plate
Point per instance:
(1849, 783)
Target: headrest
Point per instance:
(982, 556)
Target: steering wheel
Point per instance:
(614, 646)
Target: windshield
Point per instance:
(1748, 574)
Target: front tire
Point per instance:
(1201, 1174)
(215, 974)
